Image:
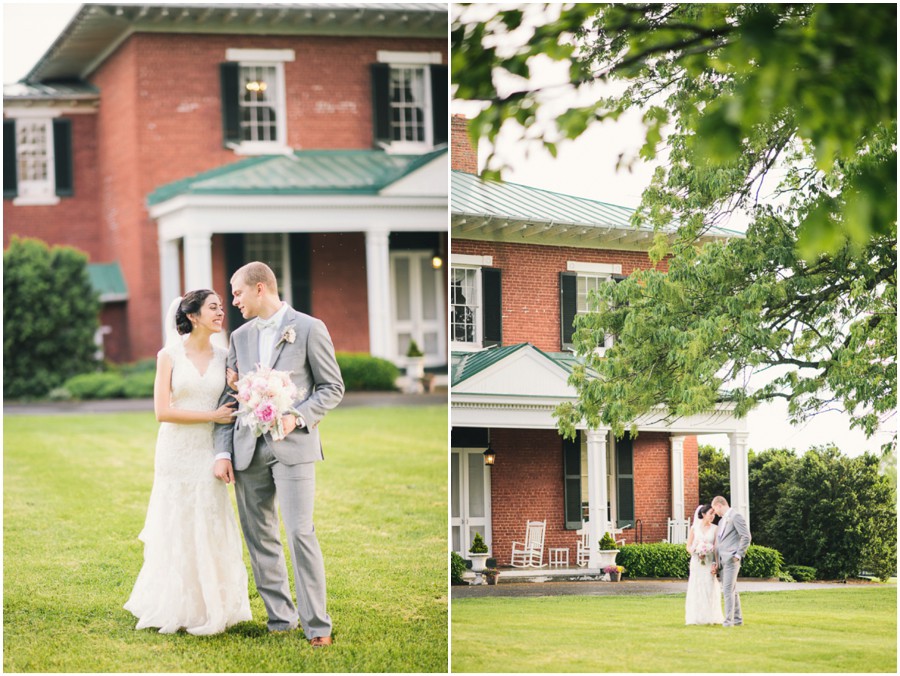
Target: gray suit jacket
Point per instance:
(734, 538)
(315, 372)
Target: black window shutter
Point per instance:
(439, 97)
(618, 278)
(568, 307)
(234, 259)
(491, 307)
(62, 157)
(572, 482)
(381, 103)
(300, 276)
(624, 481)
(229, 73)
(10, 188)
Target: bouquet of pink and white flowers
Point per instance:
(264, 395)
(703, 551)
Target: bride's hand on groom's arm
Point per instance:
(224, 415)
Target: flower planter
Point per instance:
(477, 561)
(615, 577)
(608, 557)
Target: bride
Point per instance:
(193, 576)
(703, 604)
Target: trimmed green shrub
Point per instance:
(607, 543)
(478, 545)
(661, 559)
(362, 371)
(50, 315)
(96, 386)
(655, 559)
(801, 573)
(457, 568)
(761, 562)
(139, 385)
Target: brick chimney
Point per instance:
(463, 157)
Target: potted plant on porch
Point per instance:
(478, 553)
(415, 367)
(490, 575)
(608, 551)
(614, 572)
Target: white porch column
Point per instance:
(740, 475)
(378, 277)
(598, 493)
(169, 276)
(677, 476)
(198, 261)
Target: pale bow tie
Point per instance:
(263, 324)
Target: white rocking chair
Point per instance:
(678, 531)
(584, 547)
(530, 554)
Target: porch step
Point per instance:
(543, 574)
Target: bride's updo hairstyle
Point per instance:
(190, 305)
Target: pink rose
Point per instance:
(265, 412)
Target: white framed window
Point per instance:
(409, 98)
(273, 249)
(255, 100)
(35, 162)
(465, 307)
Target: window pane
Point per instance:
(268, 248)
(259, 102)
(476, 485)
(429, 289)
(464, 304)
(431, 342)
(454, 485)
(401, 299)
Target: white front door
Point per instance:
(470, 499)
(417, 312)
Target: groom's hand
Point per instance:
(224, 471)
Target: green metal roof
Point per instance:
(304, 172)
(503, 201)
(464, 365)
(32, 91)
(107, 280)
(472, 195)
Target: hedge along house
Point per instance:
(173, 143)
(523, 261)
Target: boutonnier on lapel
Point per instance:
(288, 336)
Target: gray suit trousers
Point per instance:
(730, 569)
(256, 489)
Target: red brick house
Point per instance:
(173, 143)
(522, 263)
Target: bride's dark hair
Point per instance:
(190, 305)
(702, 510)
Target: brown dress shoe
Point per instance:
(320, 641)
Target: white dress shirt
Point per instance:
(270, 335)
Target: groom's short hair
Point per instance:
(719, 500)
(256, 272)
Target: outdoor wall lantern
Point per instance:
(436, 261)
(489, 455)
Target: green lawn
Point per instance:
(827, 630)
(75, 495)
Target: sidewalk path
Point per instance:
(351, 400)
(633, 588)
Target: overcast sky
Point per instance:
(586, 167)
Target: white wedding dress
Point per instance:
(193, 576)
(703, 604)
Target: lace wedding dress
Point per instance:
(193, 576)
(703, 604)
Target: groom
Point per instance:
(262, 469)
(732, 540)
